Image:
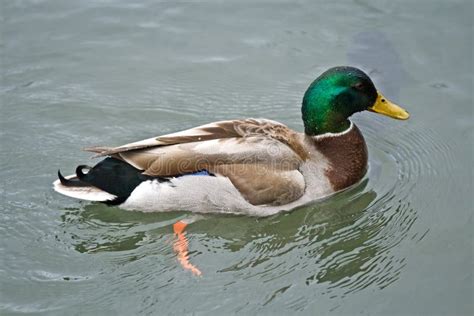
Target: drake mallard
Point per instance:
(246, 166)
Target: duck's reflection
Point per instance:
(341, 237)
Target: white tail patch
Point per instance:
(89, 193)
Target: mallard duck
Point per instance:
(244, 166)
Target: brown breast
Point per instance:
(347, 155)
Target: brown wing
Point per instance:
(184, 158)
(260, 157)
(261, 184)
(217, 130)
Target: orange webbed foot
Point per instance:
(180, 246)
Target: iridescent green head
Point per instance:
(337, 94)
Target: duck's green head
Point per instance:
(337, 94)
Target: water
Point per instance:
(85, 73)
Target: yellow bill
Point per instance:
(383, 106)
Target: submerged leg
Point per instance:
(180, 246)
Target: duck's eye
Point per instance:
(359, 86)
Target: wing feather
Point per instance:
(217, 130)
(261, 184)
(260, 157)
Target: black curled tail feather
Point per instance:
(74, 182)
(111, 175)
(79, 170)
